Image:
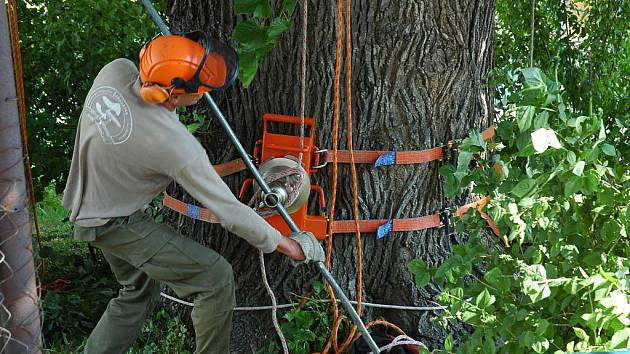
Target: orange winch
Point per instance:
(277, 157)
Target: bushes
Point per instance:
(559, 190)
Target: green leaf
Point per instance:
(610, 232)
(263, 10)
(419, 269)
(591, 182)
(488, 345)
(493, 276)
(245, 6)
(533, 78)
(541, 345)
(463, 161)
(288, 6)
(248, 65)
(580, 333)
(541, 120)
(609, 150)
(578, 168)
(621, 339)
(571, 158)
(448, 343)
(451, 183)
(593, 258)
(484, 299)
(250, 35)
(541, 326)
(192, 128)
(278, 26)
(572, 186)
(477, 140)
(525, 118)
(524, 188)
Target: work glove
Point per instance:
(313, 251)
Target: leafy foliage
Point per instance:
(50, 212)
(164, 334)
(64, 45)
(587, 39)
(305, 329)
(259, 33)
(560, 192)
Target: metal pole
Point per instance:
(265, 188)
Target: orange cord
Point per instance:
(337, 319)
(19, 85)
(332, 339)
(353, 169)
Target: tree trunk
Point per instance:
(420, 78)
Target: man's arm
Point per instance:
(203, 183)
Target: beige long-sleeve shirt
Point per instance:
(127, 151)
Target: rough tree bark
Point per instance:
(420, 78)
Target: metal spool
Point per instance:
(289, 183)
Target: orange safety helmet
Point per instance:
(188, 63)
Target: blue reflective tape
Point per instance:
(193, 211)
(384, 229)
(387, 159)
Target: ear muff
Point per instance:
(153, 93)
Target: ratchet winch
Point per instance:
(286, 162)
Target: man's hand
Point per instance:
(302, 246)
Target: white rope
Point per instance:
(401, 340)
(283, 306)
(274, 308)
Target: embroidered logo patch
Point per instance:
(107, 108)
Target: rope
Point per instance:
(19, 85)
(274, 305)
(303, 77)
(337, 319)
(332, 339)
(301, 304)
(353, 169)
(401, 340)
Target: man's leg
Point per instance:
(186, 267)
(193, 270)
(122, 321)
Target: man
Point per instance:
(129, 146)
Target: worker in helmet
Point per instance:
(129, 146)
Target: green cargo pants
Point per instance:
(142, 254)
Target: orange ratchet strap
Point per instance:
(195, 212)
(389, 158)
(383, 227)
(230, 167)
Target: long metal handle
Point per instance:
(265, 188)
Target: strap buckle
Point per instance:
(323, 153)
(445, 220)
(450, 150)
